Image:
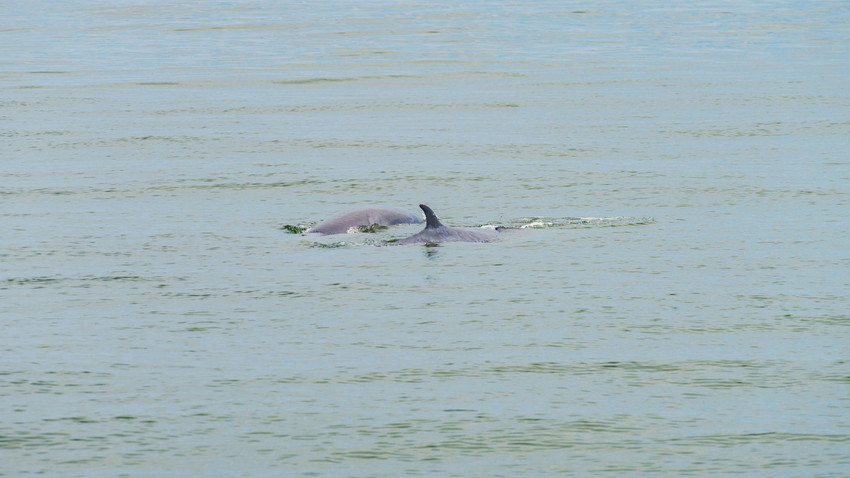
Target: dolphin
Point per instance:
(435, 232)
(366, 216)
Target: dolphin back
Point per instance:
(435, 232)
(383, 216)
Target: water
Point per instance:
(684, 315)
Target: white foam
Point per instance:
(536, 224)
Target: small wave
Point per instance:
(44, 281)
(319, 80)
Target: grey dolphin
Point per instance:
(435, 232)
(366, 216)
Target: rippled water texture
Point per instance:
(679, 306)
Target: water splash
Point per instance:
(293, 229)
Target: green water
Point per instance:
(681, 311)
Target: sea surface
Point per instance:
(680, 305)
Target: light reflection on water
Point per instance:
(679, 307)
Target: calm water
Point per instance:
(685, 313)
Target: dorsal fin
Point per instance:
(431, 220)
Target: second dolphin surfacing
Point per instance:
(366, 216)
(435, 232)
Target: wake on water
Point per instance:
(577, 222)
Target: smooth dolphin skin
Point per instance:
(435, 232)
(366, 216)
